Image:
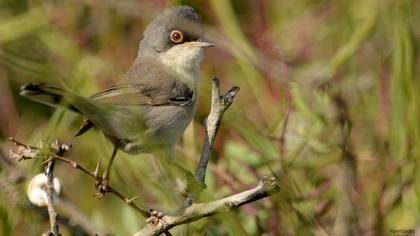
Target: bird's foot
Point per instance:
(102, 182)
(156, 219)
(102, 187)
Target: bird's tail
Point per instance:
(47, 94)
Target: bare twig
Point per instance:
(219, 104)
(196, 211)
(23, 151)
(71, 217)
(18, 143)
(50, 191)
(127, 200)
(32, 152)
(52, 213)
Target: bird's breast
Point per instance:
(170, 120)
(165, 126)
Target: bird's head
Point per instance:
(175, 38)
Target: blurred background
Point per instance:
(329, 104)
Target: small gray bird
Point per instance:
(158, 98)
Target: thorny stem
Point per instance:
(119, 195)
(71, 217)
(58, 156)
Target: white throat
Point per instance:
(184, 59)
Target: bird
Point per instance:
(157, 98)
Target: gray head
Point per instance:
(175, 37)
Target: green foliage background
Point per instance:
(329, 104)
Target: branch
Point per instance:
(25, 152)
(219, 104)
(129, 201)
(52, 213)
(74, 220)
(159, 223)
(49, 200)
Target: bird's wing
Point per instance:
(147, 84)
(171, 93)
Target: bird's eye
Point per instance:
(177, 36)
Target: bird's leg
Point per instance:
(111, 160)
(102, 185)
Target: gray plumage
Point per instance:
(157, 100)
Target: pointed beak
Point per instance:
(202, 43)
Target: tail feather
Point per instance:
(87, 124)
(46, 94)
(96, 113)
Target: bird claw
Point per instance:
(156, 218)
(102, 187)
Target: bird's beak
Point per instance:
(202, 43)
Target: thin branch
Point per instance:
(75, 165)
(74, 220)
(119, 195)
(159, 223)
(219, 104)
(30, 152)
(17, 143)
(52, 213)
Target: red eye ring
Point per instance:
(176, 36)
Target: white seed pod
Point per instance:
(37, 190)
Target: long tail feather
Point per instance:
(46, 94)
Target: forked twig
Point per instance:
(159, 223)
(219, 104)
